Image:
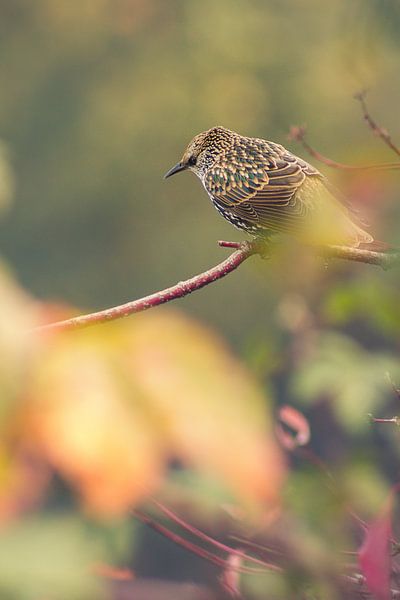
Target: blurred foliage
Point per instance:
(165, 398)
(98, 100)
(108, 410)
(53, 554)
(361, 387)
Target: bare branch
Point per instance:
(373, 125)
(179, 290)
(386, 260)
(298, 134)
(243, 250)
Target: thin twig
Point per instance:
(394, 387)
(194, 548)
(243, 251)
(257, 548)
(373, 125)
(208, 539)
(298, 134)
(395, 420)
(359, 580)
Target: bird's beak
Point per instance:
(176, 169)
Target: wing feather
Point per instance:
(259, 186)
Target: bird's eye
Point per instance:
(192, 161)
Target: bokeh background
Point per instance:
(98, 99)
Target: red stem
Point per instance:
(201, 552)
(206, 538)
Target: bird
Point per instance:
(262, 188)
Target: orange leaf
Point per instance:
(82, 419)
(212, 410)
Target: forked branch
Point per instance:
(298, 134)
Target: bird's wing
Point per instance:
(259, 186)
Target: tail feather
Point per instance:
(377, 246)
(365, 241)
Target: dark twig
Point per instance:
(373, 125)
(298, 134)
(243, 251)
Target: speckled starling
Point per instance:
(262, 188)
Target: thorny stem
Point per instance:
(243, 251)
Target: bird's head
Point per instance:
(203, 151)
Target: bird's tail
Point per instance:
(365, 241)
(377, 246)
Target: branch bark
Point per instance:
(242, 251)
(386, 260)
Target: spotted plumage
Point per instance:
(262, 188)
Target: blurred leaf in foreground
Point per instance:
(109, 407)
(81, 416)
(212, 411)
